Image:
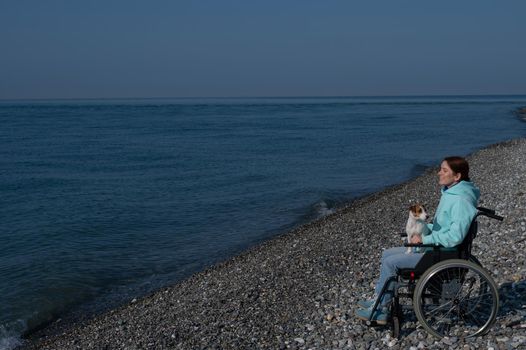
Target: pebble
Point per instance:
(303, 285)
(449, 341)
(391, 343)
(300, 341)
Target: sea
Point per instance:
(103, 201)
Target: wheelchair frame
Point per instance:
(449, 289)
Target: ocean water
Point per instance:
(105, 200)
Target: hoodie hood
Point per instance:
(466, 189)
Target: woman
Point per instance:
(455, 212)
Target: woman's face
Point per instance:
(446, 176)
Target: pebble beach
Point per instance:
(299, 290)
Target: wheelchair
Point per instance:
(452, 294)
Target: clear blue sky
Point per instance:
(179, 48)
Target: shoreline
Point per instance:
(301, 284)
(56, 326)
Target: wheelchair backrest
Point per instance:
(464, 248)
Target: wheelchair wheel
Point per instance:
(456, 298)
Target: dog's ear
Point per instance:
(413, 207)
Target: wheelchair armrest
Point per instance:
(493, 216)
(489, 213)
(486, 210)
(422, 245)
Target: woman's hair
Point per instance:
(459, 165)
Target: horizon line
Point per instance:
(251, 97)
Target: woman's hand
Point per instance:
(415, 239)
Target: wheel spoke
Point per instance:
(479, 302)
(472, 318)
(437, 309)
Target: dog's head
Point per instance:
(418, 211)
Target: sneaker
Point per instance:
(380, 316)
(365, 304)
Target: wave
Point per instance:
(323, 209)
(10, 338)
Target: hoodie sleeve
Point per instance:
(461, 215)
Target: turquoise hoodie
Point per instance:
(455, 212)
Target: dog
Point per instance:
(416, 224)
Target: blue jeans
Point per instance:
(392, 259)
